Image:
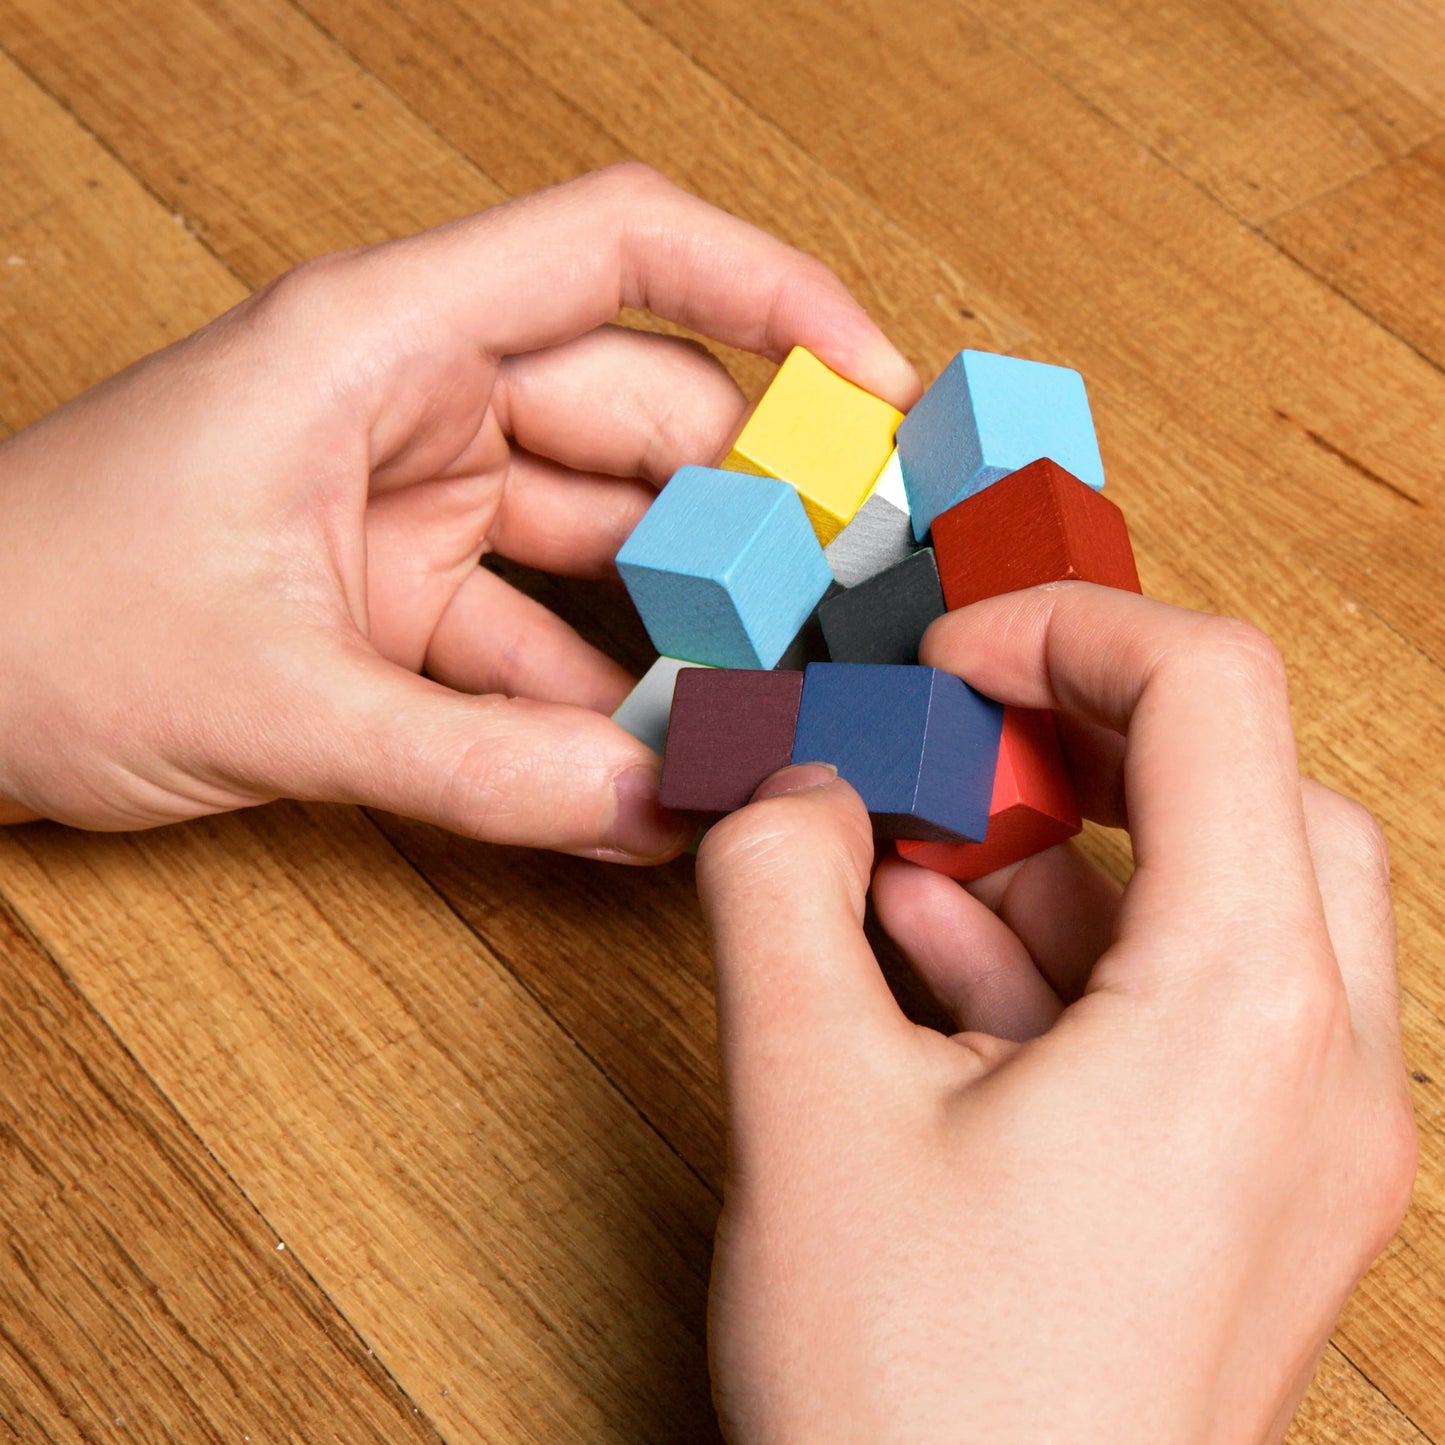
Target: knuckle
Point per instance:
(785, 837)
(754, 840)
(1241, 650)
(631, 181)
(1301, 1016)
(304, 294)
(488, 789)
(1362, 837)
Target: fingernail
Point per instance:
(641, 829)
(795, 778)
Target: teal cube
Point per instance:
(724, 568)
(987, 416)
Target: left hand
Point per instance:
(222, 571)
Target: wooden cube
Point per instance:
(724, 568)
(729, 731)
(884, 618)
(1033, 805)
(821, 434)
(986, 416)
(919, 745)
(1039, 524)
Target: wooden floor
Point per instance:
(322, 1126)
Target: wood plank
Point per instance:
(221, 147)
(1381, 242)
(248, 122)
(1281, 112)
(1402, 38)
(511, 1239)
(1344, 1408)
(140, 1292)
(65, 202)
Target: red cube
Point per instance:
(1038, 524)
(1033, 805)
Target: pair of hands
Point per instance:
(1128, 1199)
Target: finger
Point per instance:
(549, 267)
(801, 1000)
(1352, 865)
(505, 770)
(628, 237)
(1062, 909)
(622, 402)
(973, 963)
(1210, 773)
(563, 521)
(492, 638)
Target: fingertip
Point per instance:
(641, 829)
(874, 363)
(794, 779)
(895, 378)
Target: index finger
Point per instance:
(547, 267)
(1210, 771)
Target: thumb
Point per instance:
(801, 999)
(500, 769)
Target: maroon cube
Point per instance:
(730, 729)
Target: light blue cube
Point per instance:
(987, 416)
(725, 568)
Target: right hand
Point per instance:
(1125, 1202)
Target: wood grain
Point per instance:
(64, 204)
(1082, 184)
(1381, 241)
(509, 1237)
(1284, 109)
(247, 123)
(141, 1294)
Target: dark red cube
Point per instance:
(729, 730)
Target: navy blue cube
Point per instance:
(918, 744)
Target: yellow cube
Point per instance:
(822, 435)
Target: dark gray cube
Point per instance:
(884, 618)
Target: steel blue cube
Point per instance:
(724, 568)
(919, 745)
(986, 416)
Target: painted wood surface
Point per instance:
(883, 618)
(340, 1033)
(729, 731)
(1041, 524)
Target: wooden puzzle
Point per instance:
(789, 591)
